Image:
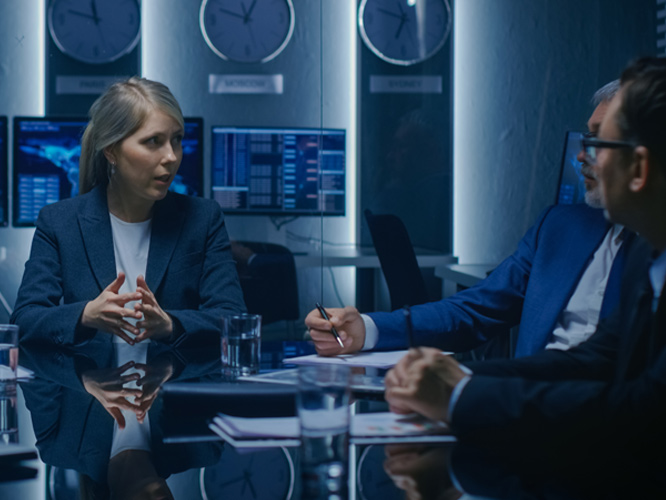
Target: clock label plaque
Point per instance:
(417, 84)
(245, 84)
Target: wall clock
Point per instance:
(249, 31)
(259, 475)
(404, 32)
(95, 31)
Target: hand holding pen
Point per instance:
(322, 311)
(348, 324)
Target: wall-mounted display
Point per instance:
(46, 163)
(271, 171)
(95, 31)
(404, 32)
(248, 31)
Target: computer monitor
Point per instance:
(278, 171)
(189, 179)
(4, 173)
(46, 163)
(571, 187)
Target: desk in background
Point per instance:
(456, 277)
(367, 265)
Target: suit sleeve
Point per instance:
(473, 316)
(39, 311)
(219, 289)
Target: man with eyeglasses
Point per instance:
(562, 278)
(611, 389)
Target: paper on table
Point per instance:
(386, 359)
(359, 382)
(365, 428)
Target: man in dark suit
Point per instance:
(552, 286)
(612, 388)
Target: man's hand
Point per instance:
(347, 322)
(421, 471)
(107, 311)
(155, 323)
(422, 382)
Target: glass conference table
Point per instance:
(75, 434)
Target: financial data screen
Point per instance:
(278, 171)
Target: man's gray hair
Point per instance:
(606, 93)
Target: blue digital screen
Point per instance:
(571, 188)
(189, 179)
(275, 171)
(4, 173)
(46, 163)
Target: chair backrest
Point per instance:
(397, 259)
(269, 282)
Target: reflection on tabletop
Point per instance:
(73, 399)
(86, 418)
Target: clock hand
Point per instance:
(94, 11)
(389, 13)
(248, 478)
(231, 13)
(82, 14)
(402, 23)
(249, 12)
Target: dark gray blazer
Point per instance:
(190, 269)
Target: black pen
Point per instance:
(410, 329)
(333, 330)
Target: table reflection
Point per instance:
(88, 420)
(78, 405)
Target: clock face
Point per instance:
(373, 482)
(259, 475)
(404, 32)
(251, 31)
(95, 31)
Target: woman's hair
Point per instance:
(115, 115)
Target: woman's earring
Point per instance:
(111, 170)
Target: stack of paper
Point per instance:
(366, 428)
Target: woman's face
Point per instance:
(147, 161)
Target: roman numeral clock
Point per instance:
(91, 43)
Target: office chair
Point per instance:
(397, 259)
(269, 282)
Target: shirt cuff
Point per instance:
(371, 333)
(457, 390)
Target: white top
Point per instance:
(134, 436)
(579, 319)
(131, 242)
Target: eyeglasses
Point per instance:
(590, 145)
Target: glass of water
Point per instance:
(8, 351)
(241, 344)
(323, 411)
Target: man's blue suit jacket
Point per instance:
(530, 288)
(190, 269)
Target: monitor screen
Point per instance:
(271, 171)
(4, 173)
(46, 163)
(571, 188)
(189, 179)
